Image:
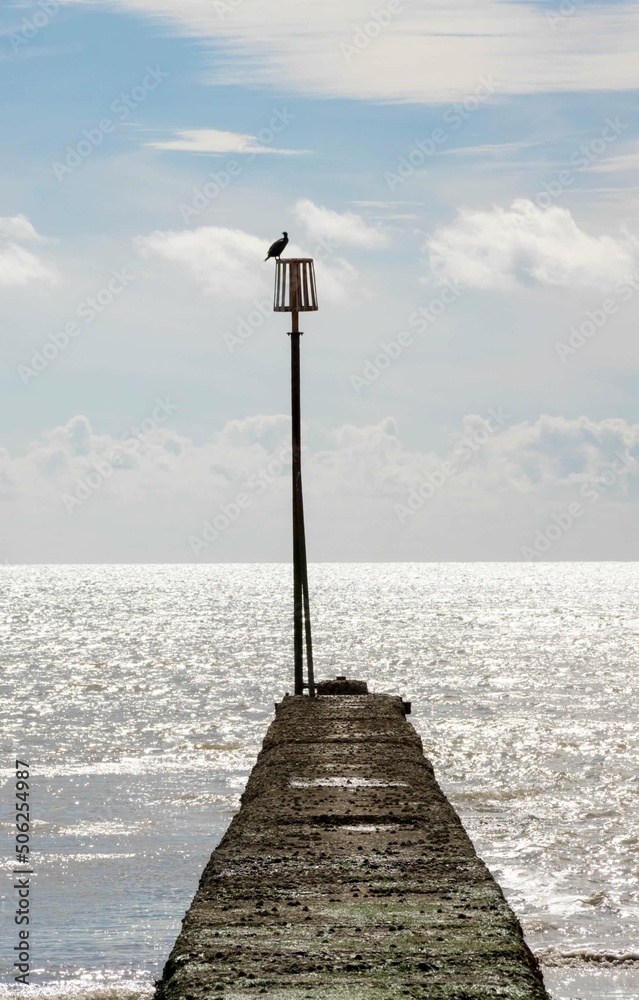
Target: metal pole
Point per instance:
(298, 610)
(307, 608)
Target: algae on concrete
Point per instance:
(347, 874)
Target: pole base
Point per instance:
(340, 685)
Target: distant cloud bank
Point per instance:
(369, 496)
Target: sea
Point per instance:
(139, 695)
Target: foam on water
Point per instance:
(140, 696)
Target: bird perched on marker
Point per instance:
(278, 247)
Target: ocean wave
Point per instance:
(553, 958)
(106, 985)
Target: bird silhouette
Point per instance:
(278, 248)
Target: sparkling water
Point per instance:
(140, 695)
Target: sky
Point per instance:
(465, 177)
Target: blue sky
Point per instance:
(475, 162)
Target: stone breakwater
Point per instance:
(347, 875)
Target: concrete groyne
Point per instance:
(347, 874)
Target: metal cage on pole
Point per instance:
(296, 292)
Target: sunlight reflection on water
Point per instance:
(141, 695)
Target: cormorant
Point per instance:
(278, 247)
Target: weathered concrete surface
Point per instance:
(347, 874)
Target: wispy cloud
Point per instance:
(216, 142)
(626, 161)
(432, 51)
(494, 149)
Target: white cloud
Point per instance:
(225, 262)
(229, 263)
(207, 140)
(556, 454)
(338, 281)
(19, 266)
(431, 51)
(18, 227)
(494, 487)
(522, 245)
(340, 227)
(543, 459)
